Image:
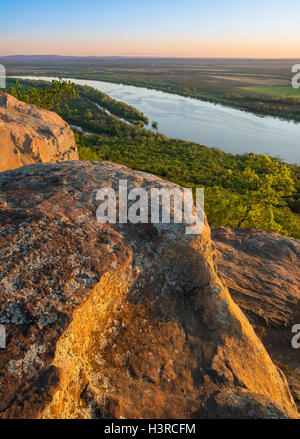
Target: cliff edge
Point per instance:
(262, 271)
(29, 135)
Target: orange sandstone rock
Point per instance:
(262, 271)
(29, 135)
(118, 321)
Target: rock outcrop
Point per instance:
(121, 320)
(262, 271)
(29, 135)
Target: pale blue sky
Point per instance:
(256, 28)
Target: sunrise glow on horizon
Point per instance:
(161, 28)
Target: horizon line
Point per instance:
(147, 56)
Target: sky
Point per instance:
(182, 28)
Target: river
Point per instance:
(206, 123)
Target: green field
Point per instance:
(279, 90)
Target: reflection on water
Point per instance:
(208, 124)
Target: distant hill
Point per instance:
(47, 58)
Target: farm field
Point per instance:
(277, 90)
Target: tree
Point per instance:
(52, 98)
(88, 114)
(259, 192)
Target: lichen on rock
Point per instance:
(119, 320)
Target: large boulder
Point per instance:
(29, 135)
(262, 271)
(118, 320)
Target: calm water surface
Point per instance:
(208, 124)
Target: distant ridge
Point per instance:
(16, 58)
(56, 57)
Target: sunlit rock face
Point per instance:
(29, 135)
(262, 271)
(118, 320)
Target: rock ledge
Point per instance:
(29, 135)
